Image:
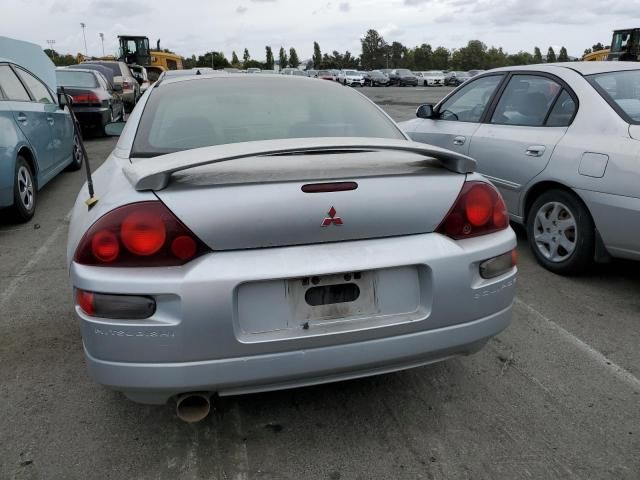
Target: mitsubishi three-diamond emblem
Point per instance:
(332, 218)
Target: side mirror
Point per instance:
(117, 87)
(114, 129)
(425, 111)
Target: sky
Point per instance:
(196, 26)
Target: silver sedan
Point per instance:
(257, 233)
(562, 144)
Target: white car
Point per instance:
(431, 78)
(350, 78)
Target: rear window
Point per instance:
(215, 111)
(622, 91)
(113, 66)
(76, 79)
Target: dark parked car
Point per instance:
(402, 77)
(96, 101)
(376, 78)
(456, 78)
(123, 76)
(473, 73)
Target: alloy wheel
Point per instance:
(555, 231)
(25, 188)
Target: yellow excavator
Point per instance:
(625, 45)
(134, 50)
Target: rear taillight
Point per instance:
(86, 98)
(478, 210)
(144, 234)
(125, 85)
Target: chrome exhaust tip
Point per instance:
(193, 407)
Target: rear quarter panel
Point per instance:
(11, 141)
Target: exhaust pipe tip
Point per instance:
(193, 407)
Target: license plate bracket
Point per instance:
(337, 297)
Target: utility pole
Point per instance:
(51, 44)
(102, 40)
(86, 52)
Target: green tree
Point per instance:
(294, 61)
(597, 46)
(246, 57)
(440, 58)
(495, 57)
(587, 51)
(537, 55)
(562, 56)
(520, 58)
(551, 55)
(269, 63)
(234, 58)
(471, 57)
(60, 60)
(373, 50)
(213, 59)
(282, 57)
(317, 55)
(398, 52)
(422, 57)
(189, 62)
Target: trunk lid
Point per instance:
(259, 202)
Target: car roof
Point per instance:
(214, 75)
(583, 68)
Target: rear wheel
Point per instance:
(561, 232)
(76, 163)
(24, 192)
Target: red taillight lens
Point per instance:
(478, 210)
(85, 301)
(125, 85)
(85, 98)
(144, 234)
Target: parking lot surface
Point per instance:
(556, 395)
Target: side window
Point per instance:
(39, 91)
(563, 111)
(469, 103)
(12, 87)
(526, 101)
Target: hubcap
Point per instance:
(25, 187)
(77, 151)
(555, 231)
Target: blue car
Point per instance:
(37, 138)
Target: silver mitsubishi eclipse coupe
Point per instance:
(254, 234)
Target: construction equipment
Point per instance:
(134, 50)
(625, 46)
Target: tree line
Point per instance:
(376, 53)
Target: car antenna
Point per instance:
(92, 200)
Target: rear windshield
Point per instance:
(76, 79)
(113, 66)
(622, 91)
(215, 111)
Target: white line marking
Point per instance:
(618, 371)
(41, 252)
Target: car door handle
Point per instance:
(50, 120)
(22, 118)
(535, 151)
(459, 140)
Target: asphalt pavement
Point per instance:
(556, 395)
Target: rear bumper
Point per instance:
(92, 117)
(225, 322)
(157, 383)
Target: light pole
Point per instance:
(86, 52)
(102, 40)
(51, 44)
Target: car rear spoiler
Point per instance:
(154, 174)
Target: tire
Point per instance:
(24, 192)
(76, 163)
(561, 233)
